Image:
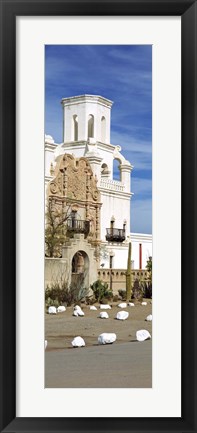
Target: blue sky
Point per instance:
(122, 73)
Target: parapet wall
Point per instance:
(118, 277)
(57, 270)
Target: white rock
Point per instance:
(80, 313)
(130, 304)
(106, 338)
(144, 303)
(61, 309)
(122, 305)
(78, 342)
(122, 315)
(142, 335)
(105, 307)
(92, 307)
(149, 318)
(104, 315)
(77, 313)
(45, 344)
(52, 310)
(77, 307)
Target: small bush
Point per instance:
(90, 300)
(122, 294)
(67, 296)
(137, 291)
(100, 290)
(115, 298)
(104, 301)
(55, 293)
(148, 290)
(78, 290)
(52, 302)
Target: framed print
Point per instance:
(97, 236)
(31, 31)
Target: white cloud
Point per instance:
(131, 144)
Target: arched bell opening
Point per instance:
(103, 129)
(116, 169)
(75, 127)
(90, 126)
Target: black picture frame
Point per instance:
(187, 9)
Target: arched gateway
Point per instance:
(80, 269)
(80, 257)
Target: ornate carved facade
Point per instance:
(74, 187)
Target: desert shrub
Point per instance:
(51, 302)
(90, 300)
(100, 290)
(115, 298)
(78, 289)
(104, 301)
(137, 291)
(59, 296)
(55, 293)
(148, 290)
(122, 294)
(79, 294)
(146, 287)
(63, 294)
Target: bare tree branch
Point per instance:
(56, 229)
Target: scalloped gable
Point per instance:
(74, 179)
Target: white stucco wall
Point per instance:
(120, 256)
(117, 205)
(146, 241)
(83, 106)
(120, 252)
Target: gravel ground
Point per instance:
(124, 364)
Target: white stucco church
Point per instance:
(80, 170)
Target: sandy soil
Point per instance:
(126, 363)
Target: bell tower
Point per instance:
(86, 117)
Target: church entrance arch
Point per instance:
(80, 269)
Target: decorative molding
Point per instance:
(87, 98)
(139, 237)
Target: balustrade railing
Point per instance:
(115, 235)
(78, 226)
(113, 185)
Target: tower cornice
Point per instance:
(73, 100)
